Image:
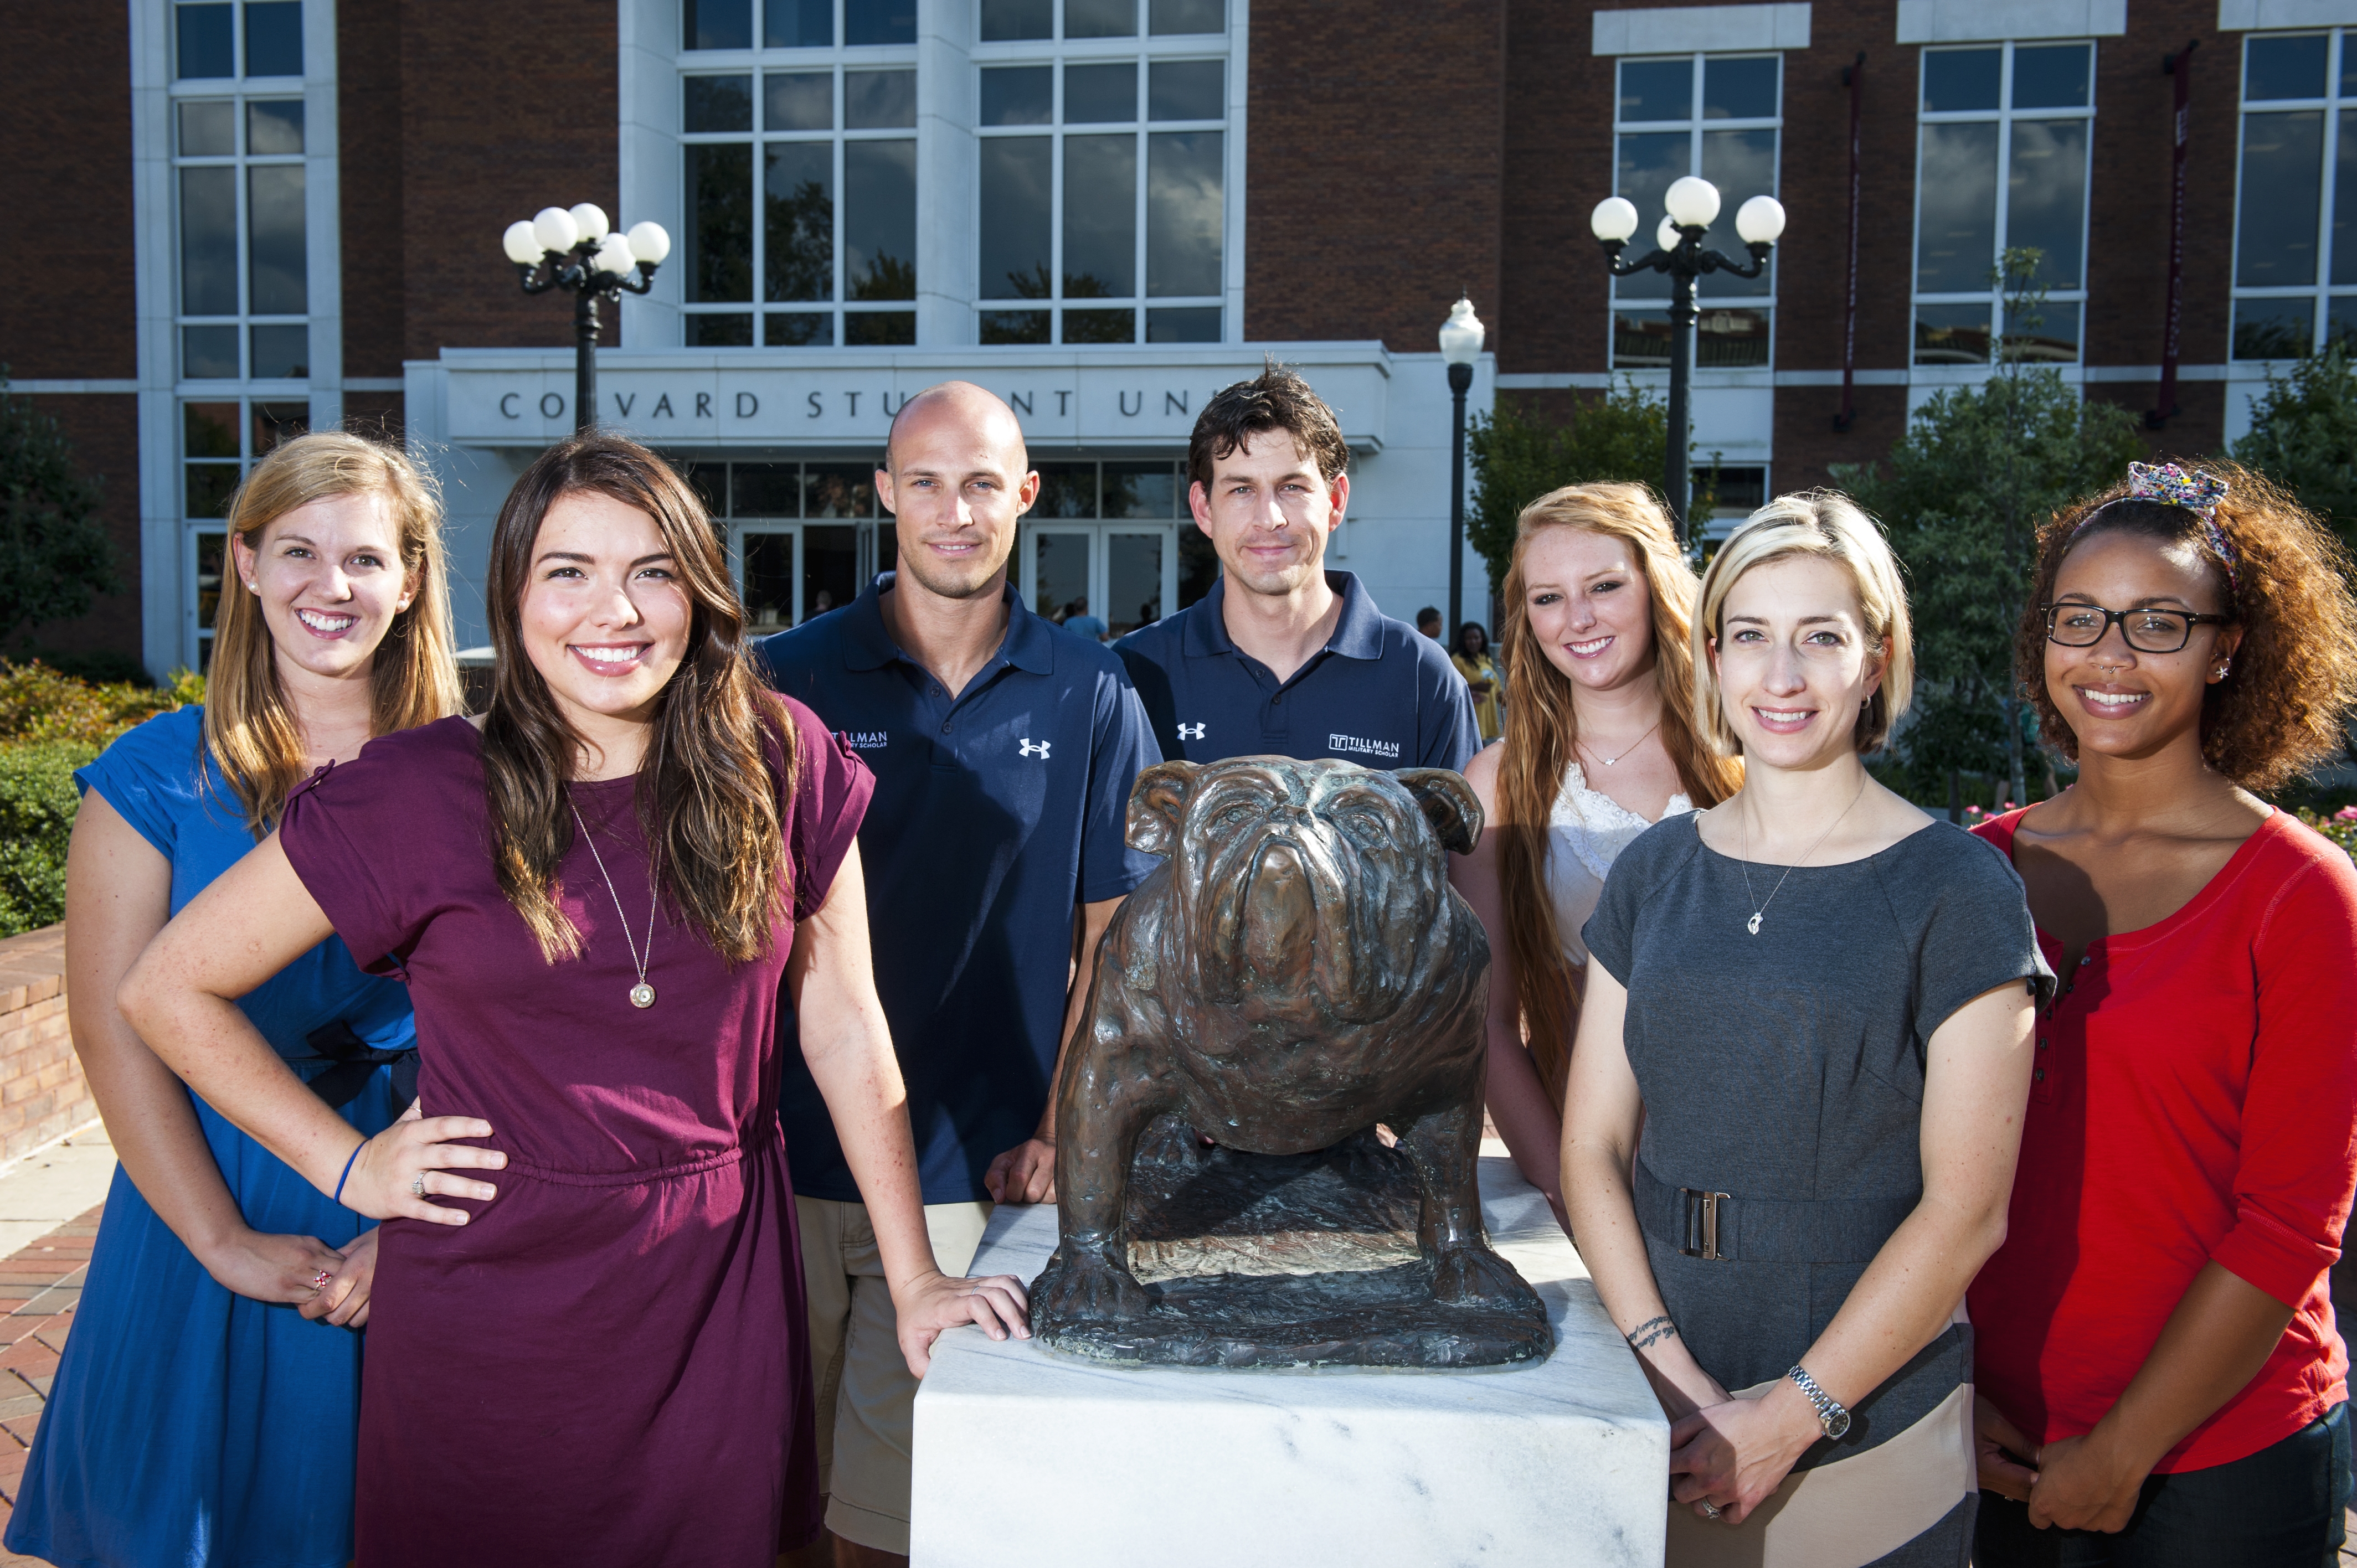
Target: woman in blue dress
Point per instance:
(205, 1410)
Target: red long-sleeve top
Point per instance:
(2194, 1101)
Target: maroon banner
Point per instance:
(1853, 78)
(2180, 66)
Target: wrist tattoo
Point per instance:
(1651, 1331)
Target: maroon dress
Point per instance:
(608, 1365)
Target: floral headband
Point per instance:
(2197, 492)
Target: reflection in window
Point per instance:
(1104, 187)
(2296, 209)
(2001, 163)
(1717, 116)
(829, 151)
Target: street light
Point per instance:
(575, 249)
(1693, 205)
(1460, 345)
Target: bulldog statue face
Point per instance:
(1296, 971)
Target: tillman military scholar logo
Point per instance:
(1386, 749)
(864, 739)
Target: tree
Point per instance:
(1518, 455)
(1977, 471)
(2303, 436)
(54, 554)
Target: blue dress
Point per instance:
(190, 1427)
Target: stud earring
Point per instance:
(2225, 665)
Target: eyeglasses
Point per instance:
(2148, 632)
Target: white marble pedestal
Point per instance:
(1034, 1460)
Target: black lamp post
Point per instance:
(573, 250)
(1693, 202)
(1460, 345)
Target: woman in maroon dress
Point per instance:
(594, 892)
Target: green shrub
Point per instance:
(39, 704)
(36, 811)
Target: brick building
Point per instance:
(237, 217)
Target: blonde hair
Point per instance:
(249, 726)
(1829, 525)
(1542, 728)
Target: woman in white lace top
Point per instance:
(1599, 744)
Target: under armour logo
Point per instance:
(1190, 732)
(1034, 748)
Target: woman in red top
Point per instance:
(2160, 1379)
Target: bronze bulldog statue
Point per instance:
(1296, 972)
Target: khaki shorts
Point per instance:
(867, 1397)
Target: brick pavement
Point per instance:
(39, 1287)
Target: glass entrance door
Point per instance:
(1126, 573)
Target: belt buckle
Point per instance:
(1702, 1222)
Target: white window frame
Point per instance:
(754, 64)
(1146, 50)
(167, 544)
(1722, 235)
(2323, 290)
(2004, 115)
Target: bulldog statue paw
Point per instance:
(1296, 972)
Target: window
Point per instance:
(243, 299)
(219, 444)
(2295, 260)
(1118, 535)
(1717, 116)
(803, 537)
(799, 173)
(1102, 171)
(2001, 165)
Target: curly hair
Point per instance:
(2293, 679)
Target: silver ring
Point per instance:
(1711, 1510)
(417, 1184)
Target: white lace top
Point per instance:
(1587, 831)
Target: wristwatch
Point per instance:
(1831, 1416)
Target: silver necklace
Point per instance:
(642, 996)
(1610, 761)
(1760, 906)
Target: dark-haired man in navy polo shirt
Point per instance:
(1004, 749)
(1283, 657)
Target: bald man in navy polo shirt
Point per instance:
(1003, 749)
(1283, 657)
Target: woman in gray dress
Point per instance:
(1812, 998)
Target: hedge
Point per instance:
(36, 811)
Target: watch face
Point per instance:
(1836, 1424)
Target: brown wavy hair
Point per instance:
(2293, 680)
(1543, 727)
(704, 792)
(412, 677)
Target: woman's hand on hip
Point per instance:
(396, 1172)
(1734, 1455)
(2085, 1483)
(264, 1267)
(935, 1301)
(2001, 1448)
(343, 1301)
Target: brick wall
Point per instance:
(65, 116)
(1375, 191)
(42, 1095)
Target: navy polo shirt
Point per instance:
(1379, 693)
(997, 811)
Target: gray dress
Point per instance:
(1786, 1069)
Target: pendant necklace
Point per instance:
(1744, 866)
(1610, 761)
(642, 996)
